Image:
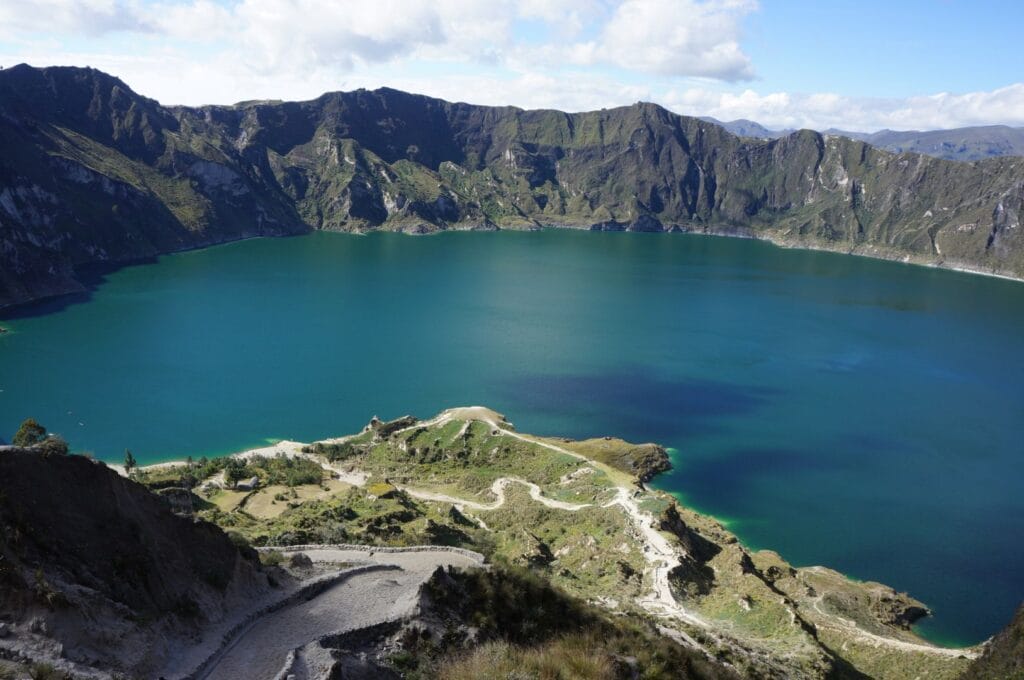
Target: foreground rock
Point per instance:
(1004, 655)
(96, 571)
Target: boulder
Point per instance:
(301, 561)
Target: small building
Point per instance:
(247, 484)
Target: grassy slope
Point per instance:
(764, 615)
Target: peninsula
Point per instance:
(450, 547)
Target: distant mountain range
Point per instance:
(957, 144)
(92, 172)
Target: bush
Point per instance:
(333, 452)
(45, 671)
(570, 657)
(53, 446)
(272, 558)
(235, 470)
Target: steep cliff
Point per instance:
(93, 172)
(1004, 657)
(97, 570)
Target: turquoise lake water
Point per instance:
(859, 414)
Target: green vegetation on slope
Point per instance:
(94, 172)
(528, 629)
(578, 550)
(446, 482)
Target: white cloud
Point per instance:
(674, 38)
(582, 54)
(85, 17)
(566, 92)
(666, 37)
(827, 110)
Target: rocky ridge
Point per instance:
(93, 172)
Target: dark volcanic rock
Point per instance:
(98, 560)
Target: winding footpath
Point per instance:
(661, 556)
(498, 489)
(366, 595)
(850, 627)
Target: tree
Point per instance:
(129, 462)
(234, 470)
(30, 433)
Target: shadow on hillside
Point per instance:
(91, 276)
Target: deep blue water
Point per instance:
(860, 414)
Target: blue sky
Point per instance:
(855, 65)
(879, 48)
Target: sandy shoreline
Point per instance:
(284, 446)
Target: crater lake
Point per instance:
(858, 414)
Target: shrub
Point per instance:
(235, 470)
(53, 446)
(272, 558)
(45, 671)
(333, 452)
(570, 657)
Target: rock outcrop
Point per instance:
(96, 570)
(1003, 658)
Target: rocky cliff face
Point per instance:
(93, 172)
(1004, 656)
(96, 570)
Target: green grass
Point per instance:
(589, 546)
(440, 458)
(592, 554)
(533, 630)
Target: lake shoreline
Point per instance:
(93, 272)
(290, 448)
(769, 367)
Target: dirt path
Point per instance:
(850, 627)
(362, 600)
(660, 554)
(498, 489)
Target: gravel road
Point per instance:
(362, 600)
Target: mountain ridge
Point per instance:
(96, 173)
(969, 143)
